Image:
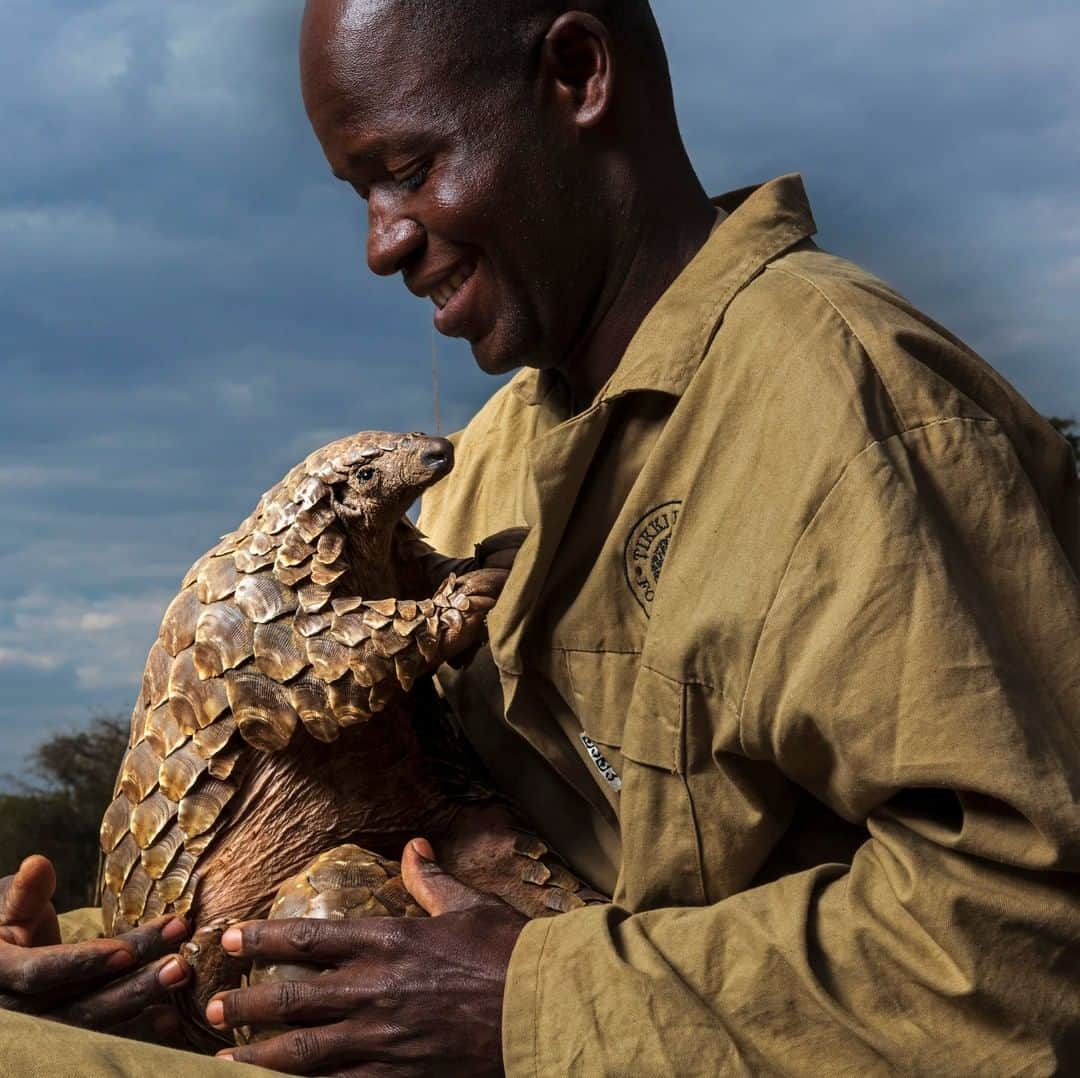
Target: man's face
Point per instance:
(470, 182)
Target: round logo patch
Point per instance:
(645, 551)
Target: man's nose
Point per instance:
(392, 239)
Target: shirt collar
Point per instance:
(762, 223)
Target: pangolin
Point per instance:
(280, 709)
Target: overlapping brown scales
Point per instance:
(138, 773)
(277, 516)
(262, 709)
(310, 697)
(323, 727)
(155, 683)
(247, 562)
(328, 659)
(277, 653)
(176, 877)
(214, 737)
(224, 764)
(150, 817)
(294, 576)
(387, 643)
(216, 580)
(369, 668)
(314, 597)
(114, 825)
(158, 857)
(135, 893)
(120, 862)
(205, 699)
(294, 549)
(137, 727)
(307, 493)
(178, 626)
(349, 701)
(349, 629)
(260, 543)
(155, 905)
(200, 808)
(222, 631)
(263, 597)
(180, 772)
(408, 666)
(326, 575)
(330, 546)
(310, 624)
(382, 695)
(163, 731)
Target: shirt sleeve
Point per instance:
(917, 672)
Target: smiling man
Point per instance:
(787, 663)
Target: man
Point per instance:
(787, 663)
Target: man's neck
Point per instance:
(656, 253)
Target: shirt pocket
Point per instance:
(660, 842)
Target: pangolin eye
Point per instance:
(365, 475)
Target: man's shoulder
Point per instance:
(815, 317)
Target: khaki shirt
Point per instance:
(804, 575)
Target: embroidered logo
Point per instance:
(609, 774)
(645, 551)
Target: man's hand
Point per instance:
(99, 984)
(402, 996)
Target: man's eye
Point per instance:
(415, 180)
(365, 475)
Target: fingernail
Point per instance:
(227, 1056)
(176, 929)
(120, 960)
(232, 940)
(215, 1013)
(422, 849)
(172, 974)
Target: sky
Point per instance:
(185, 311)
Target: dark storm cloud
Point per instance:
(184, 309)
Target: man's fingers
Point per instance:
(324, 999)
(126, 999)
(33, 971)
(315, 940)
(155, 938)
(322, 1049)
(435, 890)
(27, 894)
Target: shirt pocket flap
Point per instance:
(601, 682)
(653, 731)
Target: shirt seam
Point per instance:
(901, 423)
(877, 443)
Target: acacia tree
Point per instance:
(1071, 431)
(59, 811)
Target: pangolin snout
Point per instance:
(438, 456)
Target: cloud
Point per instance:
(186, 312)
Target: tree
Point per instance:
(1071, 431)
(59, 811)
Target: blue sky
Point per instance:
(185, 310)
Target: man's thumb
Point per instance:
(25, 900)
(435, 890)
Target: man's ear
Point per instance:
(577, 56)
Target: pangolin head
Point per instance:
(374, 476)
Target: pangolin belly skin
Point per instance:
(273, 720)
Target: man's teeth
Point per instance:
(445, 292)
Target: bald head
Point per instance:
(478, 37)
(516, 157)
